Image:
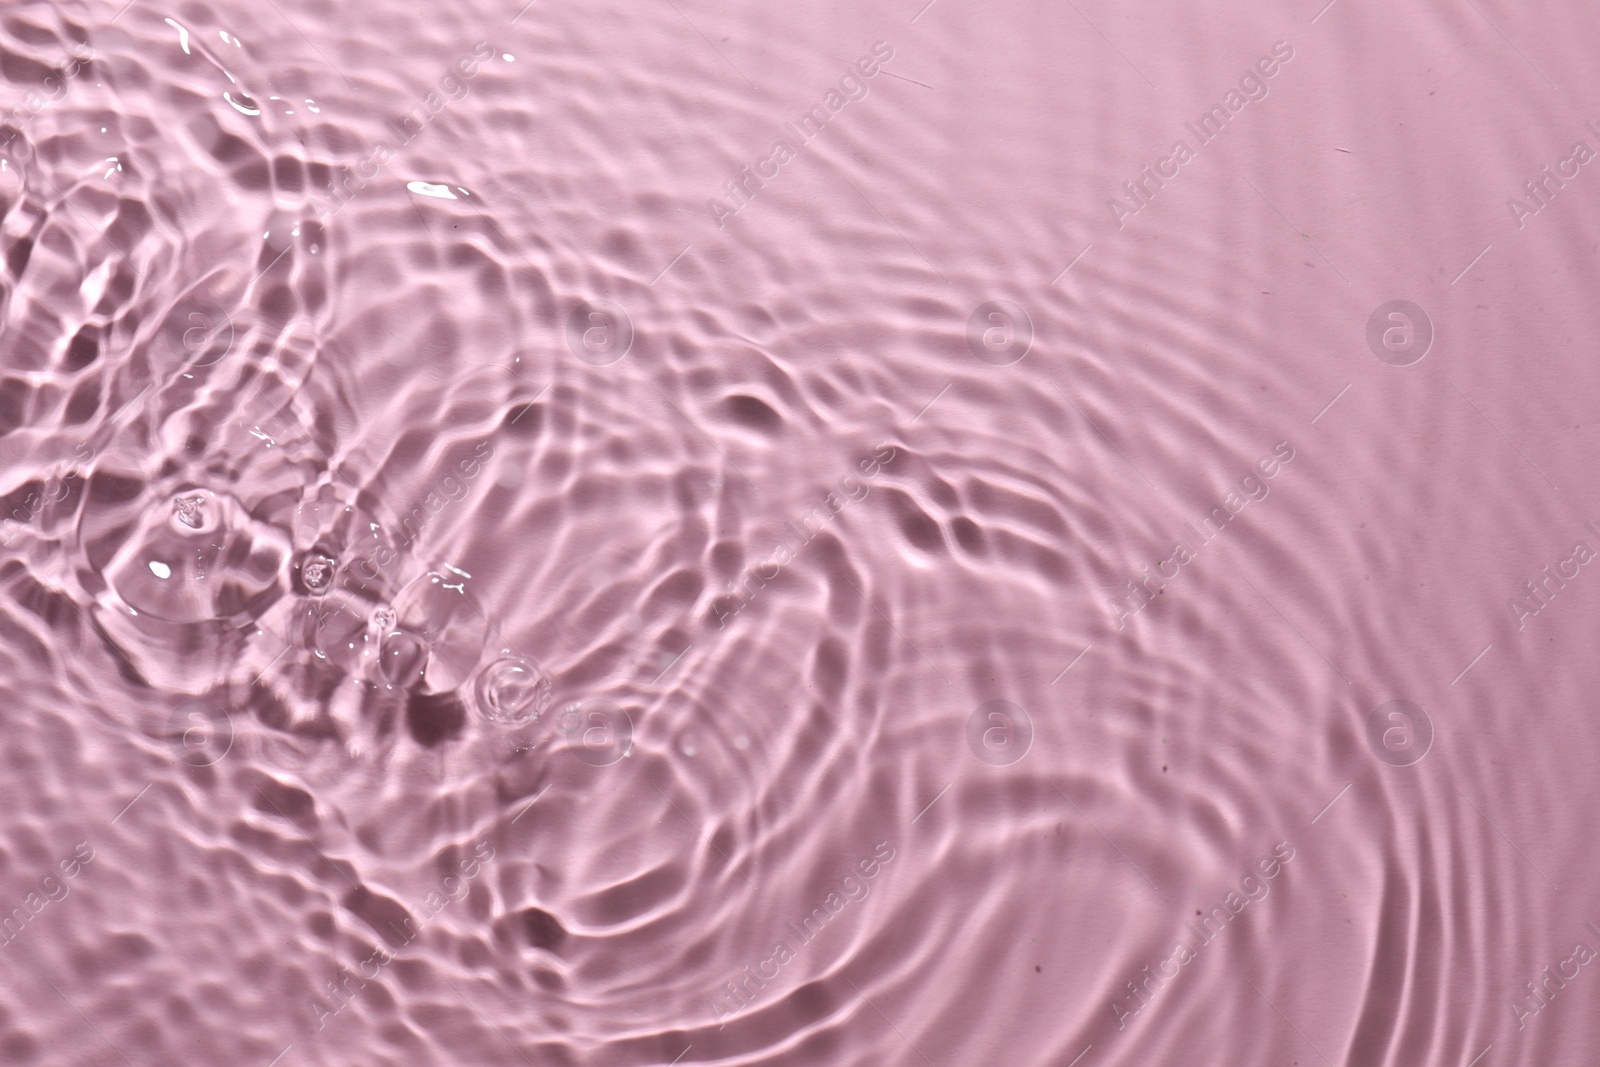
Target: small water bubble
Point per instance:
(402, 658)
(436, 608)
(192, 512)
(184, 574)
(328, 627)
(512, 691)
(316, 572)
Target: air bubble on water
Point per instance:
(316, 572)
(192, 512)
(187, 575)
(382, 624)
(402, 658)
(512, 691)
(455, 628)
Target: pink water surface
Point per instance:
(684, 532)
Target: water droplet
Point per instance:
(430, 189)
(183, 36)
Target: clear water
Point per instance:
(931, 533)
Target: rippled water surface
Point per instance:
(691, 532)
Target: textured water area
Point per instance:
(920, 534)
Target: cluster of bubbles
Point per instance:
(431, 637)
(203, 564)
